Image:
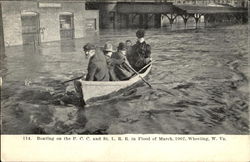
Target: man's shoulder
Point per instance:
(94, 61)
(114, 54)
(117, 55)
(98, 65)
(139, 44)
(99, 51)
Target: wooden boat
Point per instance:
(95, 89)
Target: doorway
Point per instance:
(30, 27)
(66, 25)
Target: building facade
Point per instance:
(37, 21)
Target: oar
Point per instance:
(139, 75)
(146, 66)
(142, 68)
(73, 79)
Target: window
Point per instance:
(66, 21)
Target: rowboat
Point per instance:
(96, 89)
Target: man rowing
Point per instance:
(123, 71)
(108, 52)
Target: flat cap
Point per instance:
(88, 47)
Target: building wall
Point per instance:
(92, 14)
(12, 23)
(49, 19)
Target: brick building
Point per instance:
(36, 21)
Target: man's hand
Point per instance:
(147, 60)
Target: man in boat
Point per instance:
(97, 66)
(123, 71)
(111, 62)
(128, 49)
(128, 44)
(97, 69)
(140, 53)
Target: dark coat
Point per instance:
(98, 68)
(111, 65)
(139, 56)
(122, 71)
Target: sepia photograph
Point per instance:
(116, 67)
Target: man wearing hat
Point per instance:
(97, 67)
(123, 70)
(141, 51)
(112, 62)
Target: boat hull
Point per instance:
(95, 89)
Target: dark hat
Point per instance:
(108, 47)
(140, 33)
(88, 47)
(121, 46)
(128, 41)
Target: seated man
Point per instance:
(128, 44)
(97, 69)
(128, 50)
(108, 52)
(97, 66)
(141, 51)
(123, 70)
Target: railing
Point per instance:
(233, 3)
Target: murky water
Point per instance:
(199, 78)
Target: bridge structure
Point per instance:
(148, 14)
(210, 13)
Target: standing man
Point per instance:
(141, 51)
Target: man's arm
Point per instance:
(117, 61)
(91, 72)
(148, 50)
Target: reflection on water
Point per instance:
(68, 45)
(199, 83)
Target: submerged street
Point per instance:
(199, 78)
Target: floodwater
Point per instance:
(199, 79)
